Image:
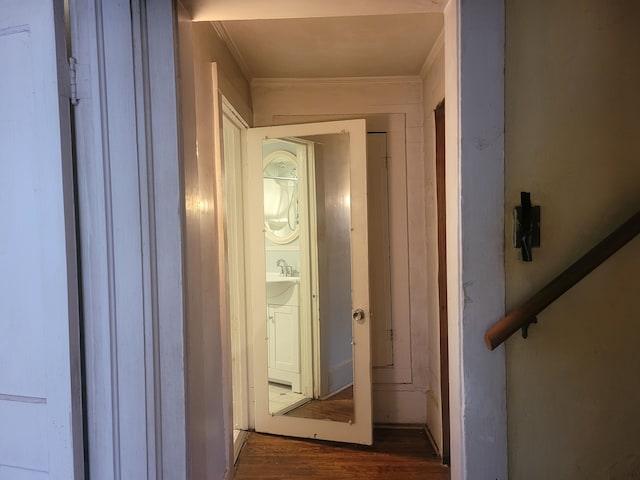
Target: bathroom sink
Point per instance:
(273, 277)
(282, 290)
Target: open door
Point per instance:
(40, 416)
(306, 231)
(442, 280)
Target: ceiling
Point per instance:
(336, 46)
(219, 10)
(325, 38)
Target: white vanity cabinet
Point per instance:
(283, 330)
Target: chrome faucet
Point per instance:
(285, 268)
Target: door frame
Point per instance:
(474, 46)
(441, 199)
(130, 200)
(233, 194)
(309, 290)
(474, 77)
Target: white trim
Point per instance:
(234, 236)
(130, 238)
(239, 439)
(221, 263)
(230, 110)
(328, 81)
(308, 257)
(452, 188)
(433, 53)
(313, 257)
(166, 332)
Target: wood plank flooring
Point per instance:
(338, 408)
(397, 454)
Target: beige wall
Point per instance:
(208, 47)
(305, 101)
(208, 405)
(432, 95)
(572, 102)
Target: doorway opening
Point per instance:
(400, 375)
(485, 40)
(288, 212)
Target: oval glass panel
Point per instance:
(280, 182)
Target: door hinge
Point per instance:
(390, 334)
(73, 81)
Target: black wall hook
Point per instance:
(527, 226)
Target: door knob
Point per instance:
(358, 315)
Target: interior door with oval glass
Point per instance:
(308, 272)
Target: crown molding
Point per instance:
(435, 50)
(233, 49)
(288, 81)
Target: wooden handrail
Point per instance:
(525, 314)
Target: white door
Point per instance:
(334, 276)
(40, 422)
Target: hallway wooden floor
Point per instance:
(395, 455)
(338, 408)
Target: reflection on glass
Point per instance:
(280, 180)
(308, 276)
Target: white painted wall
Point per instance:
(207, 344)
(432, 95)
(281, 102)
(572, 102)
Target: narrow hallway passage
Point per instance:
(397, 454)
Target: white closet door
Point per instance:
(342, 328)
(40, 423)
